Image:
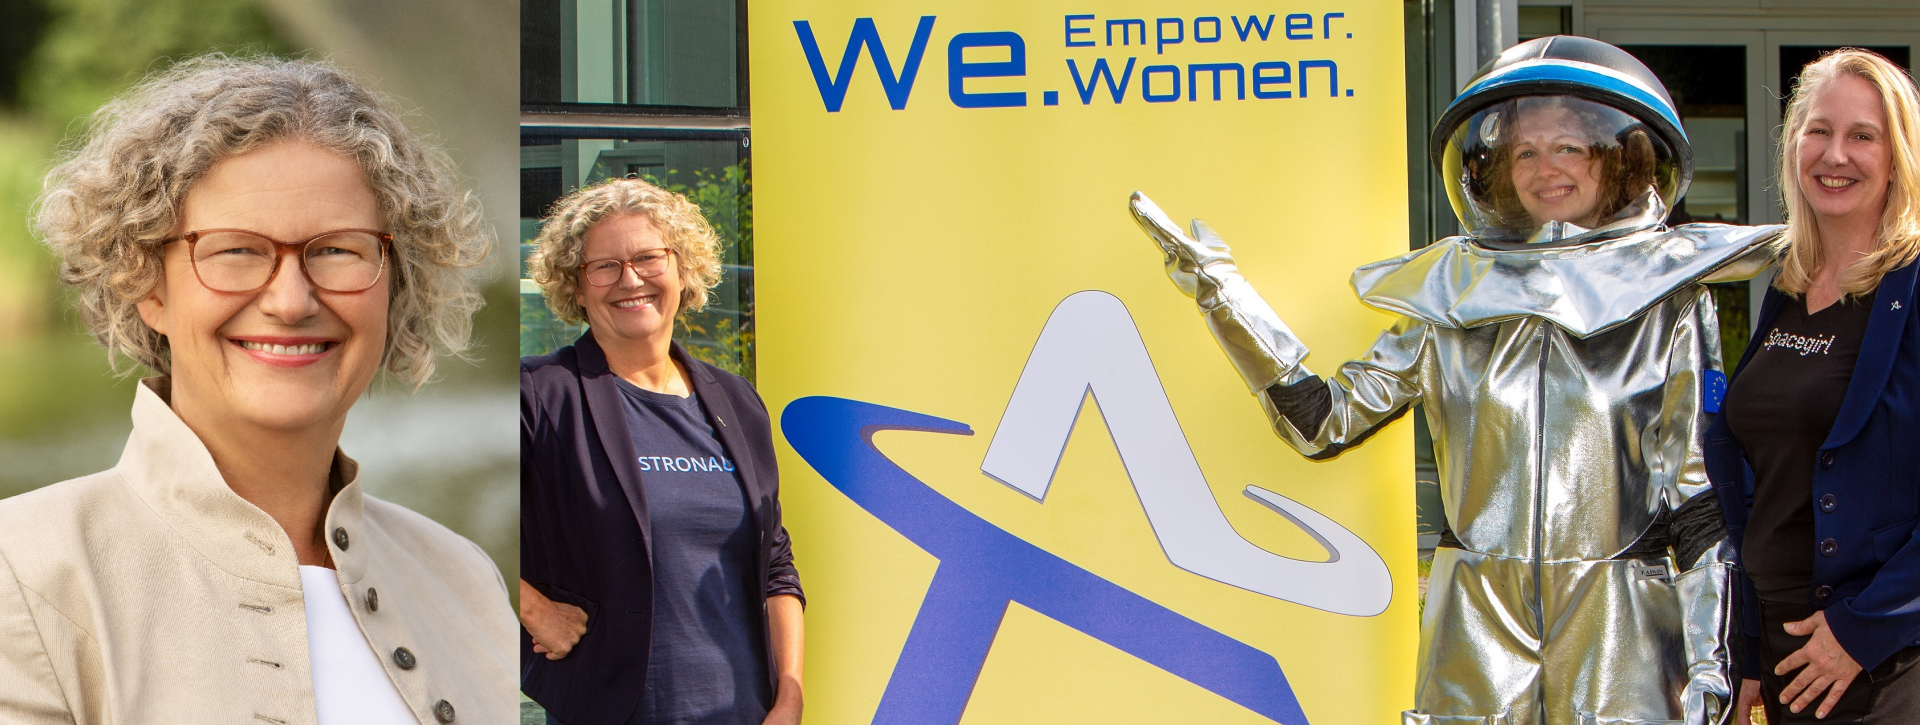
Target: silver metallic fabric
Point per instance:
(1258, 344)
(1563, 386)
(1706, 600)
(1583, 289)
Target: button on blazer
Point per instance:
(152, 593)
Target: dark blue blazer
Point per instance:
(1866, 487)
(584, 533)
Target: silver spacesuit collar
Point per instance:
(1586, 283)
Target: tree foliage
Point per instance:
(61, 60)
(92, 49)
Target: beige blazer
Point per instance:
(151, 593)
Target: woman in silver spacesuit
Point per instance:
(1567, 355)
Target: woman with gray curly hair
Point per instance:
(657, 583)
(266, 236)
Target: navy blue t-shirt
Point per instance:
(707, 665)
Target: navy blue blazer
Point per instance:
(1866, 487)
(584, 533)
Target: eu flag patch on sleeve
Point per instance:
(1713, 388)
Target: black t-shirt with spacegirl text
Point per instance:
(1780, 408)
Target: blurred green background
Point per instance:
(448, 451)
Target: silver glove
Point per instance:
(1256, 341)
(1706, 609)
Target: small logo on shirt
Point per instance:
(1649, 572)
(684, 464)
(1806, 345)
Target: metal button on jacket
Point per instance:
(1826, 459)
(340, 538)
(1823, 592)
(373, 599)
(1828, 503)
(1829, 547)
(443, 711)
(404, 658)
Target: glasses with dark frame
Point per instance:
(236, 260)
(606, 272)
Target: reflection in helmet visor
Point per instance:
(1526, 161)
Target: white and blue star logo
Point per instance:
(1090, 344)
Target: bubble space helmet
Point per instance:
(1564, 129)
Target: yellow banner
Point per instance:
(1023, 484)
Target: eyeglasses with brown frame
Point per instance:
(344, 261)
(606, 272)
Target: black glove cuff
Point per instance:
(1305, 404)
(1696, 528)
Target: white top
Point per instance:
(349, 685)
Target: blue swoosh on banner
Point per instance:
(983, 568)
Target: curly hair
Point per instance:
(1626, 162)
(560, 248)
(117, 191)
(1897, 240)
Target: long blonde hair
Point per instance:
(1897, 240)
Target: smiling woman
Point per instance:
(1811, 453)
(252, 336)
(1532, 161)
(268, 237)
(658, 582)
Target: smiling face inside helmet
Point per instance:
(1523, 162)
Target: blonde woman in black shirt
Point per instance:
(1815, 454)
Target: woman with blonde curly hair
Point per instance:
(658, 583)
(1813, 453)
(266, 236)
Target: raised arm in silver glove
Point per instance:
(1256, 341)
(1318, 417)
